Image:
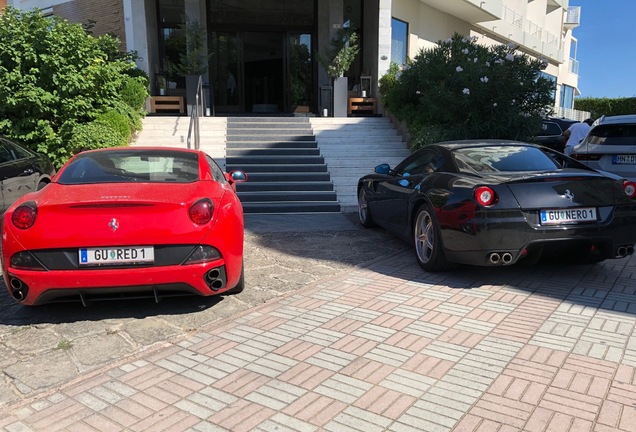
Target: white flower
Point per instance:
(459, 68)
(475, 60)
(499, 61)
(512, 46)
(494, 104)
(521, 83)
(510, 57)
(514, 100)
(487, 64)
(465, 50)
(449, 40)
(418, 92)
(466, 91)
(484, 79)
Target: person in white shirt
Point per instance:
(575, 134)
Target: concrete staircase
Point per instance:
(286, 172)
(294, 164)
(353, 147)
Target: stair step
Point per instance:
(272, 144)
(253, 168)
(292, 207)
(271, 186)
(278, 196)
(277, 136)
(285, 152)
(274, 160)
(282, 177)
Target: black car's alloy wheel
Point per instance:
(363, 210)
(428, 244)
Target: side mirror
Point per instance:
(382, 169)
(238, 176)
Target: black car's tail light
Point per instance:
(586, 157)
(26, 261)
(485, 196)
(201, 211)
(203, 253)
(24, 216)
(629, 187)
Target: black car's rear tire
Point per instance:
(240, 286)
(428, 241)
(364, 214)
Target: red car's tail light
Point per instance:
(201, 211)
(586, 157)
(24, 216)
(485, 196)
(203, 253)
(629, 187)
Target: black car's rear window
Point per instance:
(131, 167)
(613, 134)
(509, 158)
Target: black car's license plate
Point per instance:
(120, 255)
(555, 217)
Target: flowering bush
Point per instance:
(462, 90)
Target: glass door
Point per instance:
(226, 72)
(263, 71)
(299, 77)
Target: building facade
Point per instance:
(262, 54)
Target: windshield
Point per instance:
(496, 159)
(119, 166)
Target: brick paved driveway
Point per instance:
(384, 347)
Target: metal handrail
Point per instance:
(198, 110)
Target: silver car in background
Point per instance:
(610, 145)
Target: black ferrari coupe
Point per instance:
(497, 202)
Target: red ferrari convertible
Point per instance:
(126, 223)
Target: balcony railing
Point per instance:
(533, 29)
(573, 16)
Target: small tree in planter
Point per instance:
(337, 61)
(189, 56)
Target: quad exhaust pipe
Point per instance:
(500, 258)
(623, 251)
(19, 290)
(214, 279)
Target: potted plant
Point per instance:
(337, 61)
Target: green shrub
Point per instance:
(94, 135)
(116, 121)
(462, 90)
(606, 106)
(134, 92)
(55, 77)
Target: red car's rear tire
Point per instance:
(240, 285)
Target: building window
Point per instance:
(399, 39)
(567, 97)
(554, 83)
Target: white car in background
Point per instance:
(610, 146)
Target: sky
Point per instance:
(606, 48)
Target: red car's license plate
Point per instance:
(121, 255)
